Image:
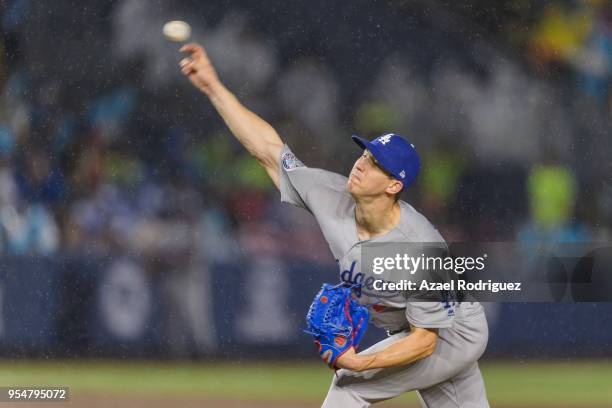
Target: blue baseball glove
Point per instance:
(336, 321)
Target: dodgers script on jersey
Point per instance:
(325, 195)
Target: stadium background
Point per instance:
(147, 260)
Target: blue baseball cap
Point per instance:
(394, 154)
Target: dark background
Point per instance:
(109, 157)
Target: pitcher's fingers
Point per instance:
(188, 70)
(187, 63)
(192, 48)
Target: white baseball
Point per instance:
(177, 31)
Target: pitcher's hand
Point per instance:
(198, 68)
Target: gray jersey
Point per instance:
(324, 194)
(450, 376)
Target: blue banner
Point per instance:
(127, 307)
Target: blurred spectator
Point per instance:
(39, 180)
(560, 32)
(552, 195)
(29, 230)
(309, 92)
(552, 192)
(594, 61)
(438, 186)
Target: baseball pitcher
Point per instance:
(432, 348)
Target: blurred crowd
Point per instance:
(105, 148)
(568, 41)
(574, 39)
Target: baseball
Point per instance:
(177, 31)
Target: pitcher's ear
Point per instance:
(395, 187)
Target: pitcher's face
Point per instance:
(368, 178)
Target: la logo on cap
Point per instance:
(385, 139)
(403, 174)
